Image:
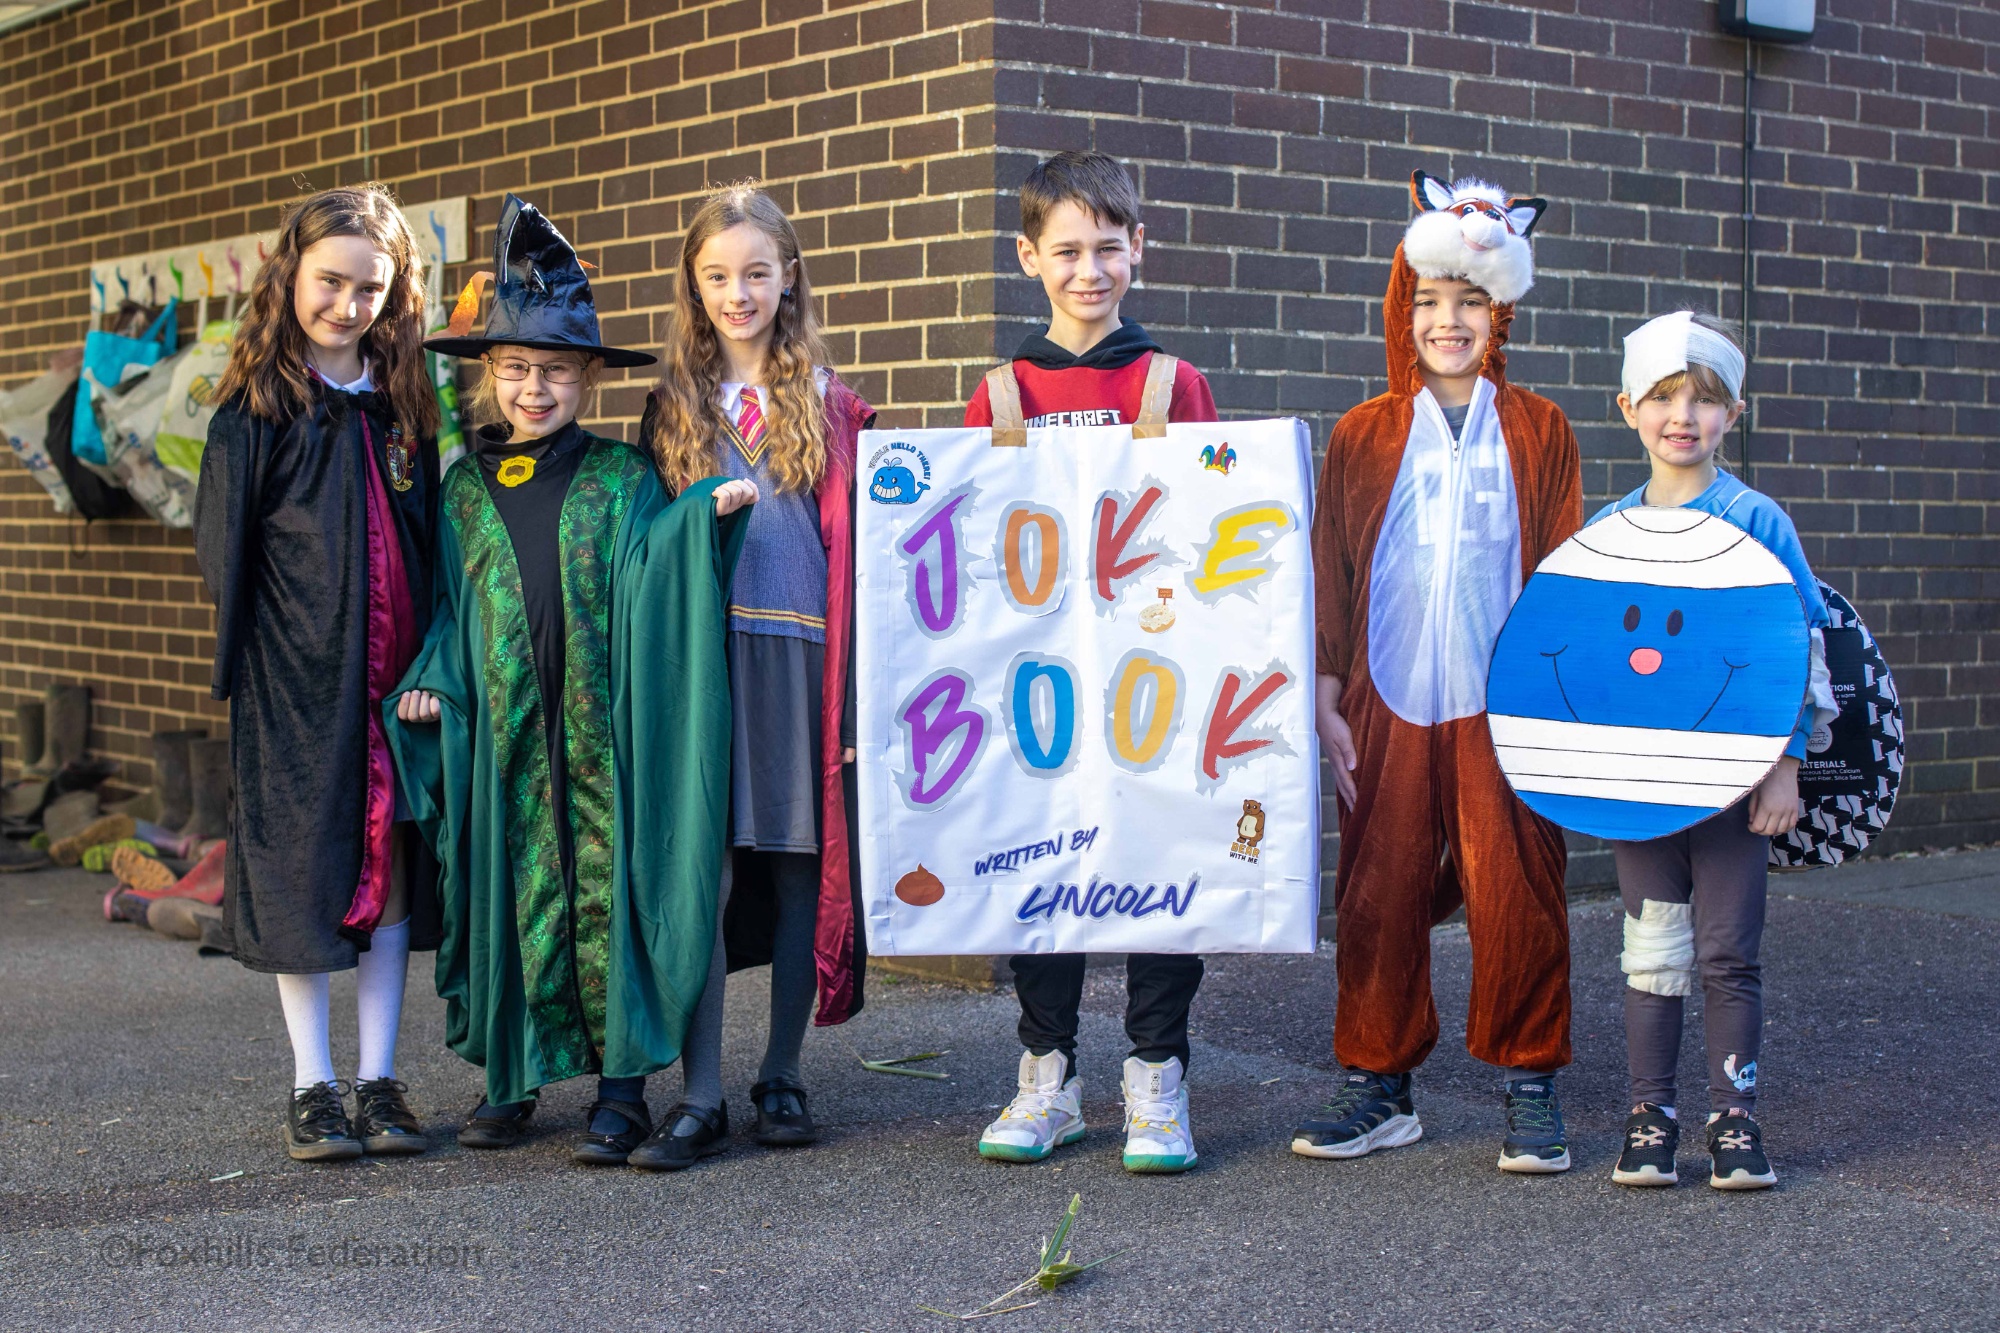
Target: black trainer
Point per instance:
(1651, 1140)
(782, 1118)
(1368, 1111)
(1736, 1145)
(686, 1134)
(316, 1125)
(1535, 1144)
(384, 1122)
(498, 1128)
(596, 1149)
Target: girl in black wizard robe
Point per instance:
(314, 527)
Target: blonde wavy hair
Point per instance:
(688, 427)
(268, 362)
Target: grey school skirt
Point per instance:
(774, 788)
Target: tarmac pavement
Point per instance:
(143, 1181)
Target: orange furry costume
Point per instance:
(1413, 540)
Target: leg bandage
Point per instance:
(1659, 949)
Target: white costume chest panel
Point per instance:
(1447, 565)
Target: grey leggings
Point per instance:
(1718, 868)
(794, 982)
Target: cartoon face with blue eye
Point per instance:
(895, 484)
(1650, 674)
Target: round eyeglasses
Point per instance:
(553, 372)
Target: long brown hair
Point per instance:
(689, 426)
(268, 360)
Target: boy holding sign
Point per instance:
(1081, 236)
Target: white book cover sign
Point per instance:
(1084, 672)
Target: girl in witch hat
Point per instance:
(314, 526)
(578, 820)
(748, 392)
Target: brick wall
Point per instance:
(1273, 145)
(1271, 142)
(133, 125)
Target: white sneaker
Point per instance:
(1045, 1114)
(1157, 1135)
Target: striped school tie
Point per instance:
(750, 425)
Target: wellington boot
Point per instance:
(24, 798)
(216, 939)
(136, 870)
(171, 777)
(66, 728)
(204, 882)
(31, 735)
(20, 856)
(180, 918)
(167, 842)
(105, 828)
(69, 813)
(208, 770)
(143, 805)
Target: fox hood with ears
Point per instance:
(1473, 231)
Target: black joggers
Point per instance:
(1159, 987)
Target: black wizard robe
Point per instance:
(282, 537)
(580, 861)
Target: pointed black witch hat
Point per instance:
(541, 298)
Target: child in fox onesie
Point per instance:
(1436, 501)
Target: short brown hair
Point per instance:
(1091, 181)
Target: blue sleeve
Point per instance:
(1771, 526)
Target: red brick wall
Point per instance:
(1271, 141)
(1273, 145)
(133, 125)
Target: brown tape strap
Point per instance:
(1003, 396)
(1156, 399)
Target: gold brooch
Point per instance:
(516, 470)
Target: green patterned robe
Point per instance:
(541, 985)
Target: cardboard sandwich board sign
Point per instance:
(1084, 674)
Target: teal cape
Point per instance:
(542, 983)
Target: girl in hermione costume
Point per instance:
(564, 736)
(747, 392)
(314, 527)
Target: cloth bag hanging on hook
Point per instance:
(129, 420)
(191, 401)
(108, 359)
(24, 415)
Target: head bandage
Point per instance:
(1668, 346)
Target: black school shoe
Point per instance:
(597, 1149)
(782, 1118)
(1651, 1139)
(687, 1134)
(1736, 1143)
(495, 1131)
(384, 1122)
(1368, 1111)
(316, 1125)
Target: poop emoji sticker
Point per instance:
(920, 888)
(1650, 674)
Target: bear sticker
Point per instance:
(1249, 832)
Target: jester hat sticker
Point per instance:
(1650, 674)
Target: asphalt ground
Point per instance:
(143, 1182)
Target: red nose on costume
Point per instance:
(1645, 661)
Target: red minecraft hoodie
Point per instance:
(1099, 388)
